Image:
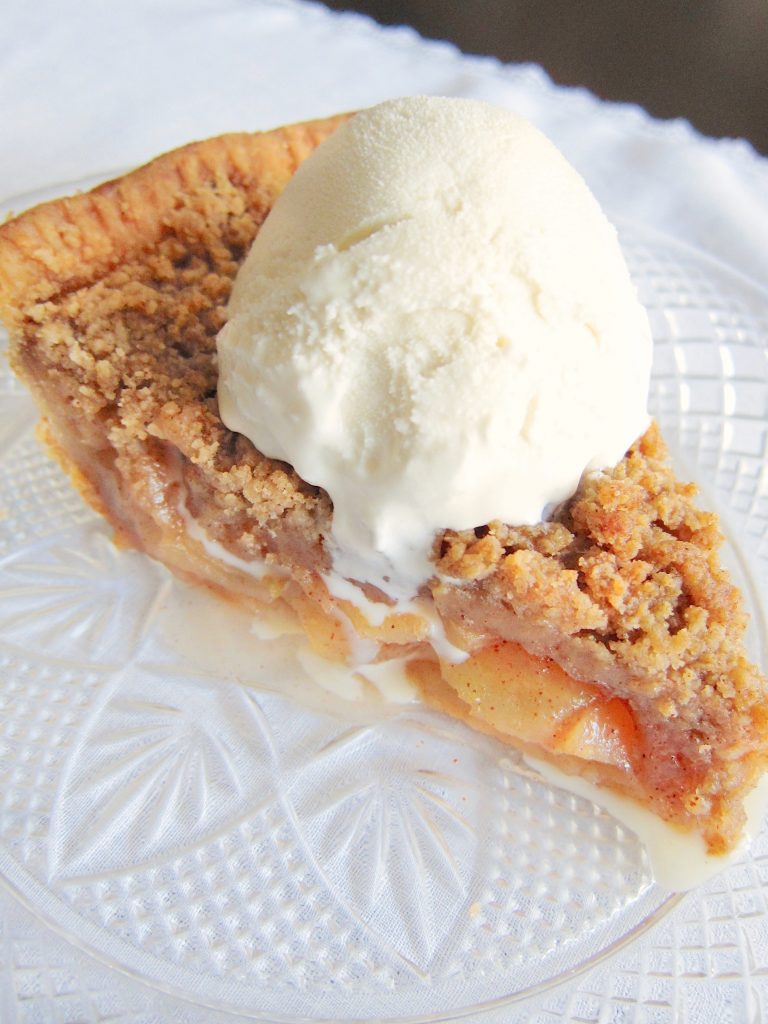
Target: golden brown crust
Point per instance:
(68, 243)
(113, 300)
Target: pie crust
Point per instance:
(607, 639)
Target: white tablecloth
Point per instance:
(89, 88)
(94, 87)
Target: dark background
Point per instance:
(705, 60)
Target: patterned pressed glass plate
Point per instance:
(179, 799)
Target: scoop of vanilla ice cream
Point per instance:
(435, 324)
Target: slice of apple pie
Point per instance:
(606, 638)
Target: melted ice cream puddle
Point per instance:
(679, 860)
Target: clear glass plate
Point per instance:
(181, 801)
